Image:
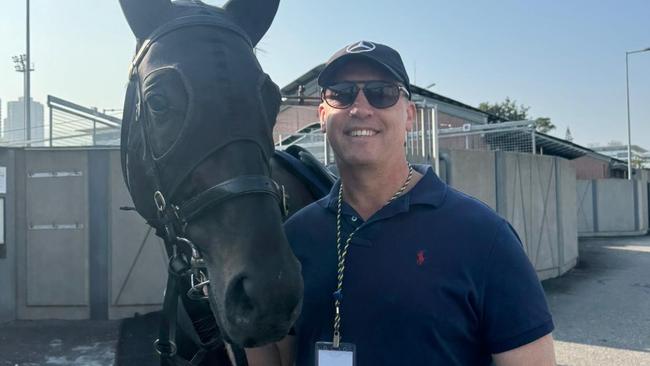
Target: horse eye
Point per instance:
(157, 103)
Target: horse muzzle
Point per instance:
(260, 309)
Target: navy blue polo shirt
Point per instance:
(434, 278)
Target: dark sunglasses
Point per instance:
(380, 94)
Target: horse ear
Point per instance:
(144, 16)
(255, 16)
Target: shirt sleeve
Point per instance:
(515, 311)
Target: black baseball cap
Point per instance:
(382, 55)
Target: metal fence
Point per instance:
(425, 140)
(70, 124)
(507, 136)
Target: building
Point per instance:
(460, 127)
(14, 125)
(640, 156)
(594, 165)
(2, 121)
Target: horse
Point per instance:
(198, 160)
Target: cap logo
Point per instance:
(363, 46)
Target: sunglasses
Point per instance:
(380, 94)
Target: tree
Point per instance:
(510, 111)
(544, 125)
(567, 135)
(507, 110)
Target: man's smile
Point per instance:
(361, 133)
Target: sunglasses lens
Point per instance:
(340, 95)
(381, 95)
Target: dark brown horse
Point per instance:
(197, 156)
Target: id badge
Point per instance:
(327, 355)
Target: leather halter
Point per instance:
(172, 217)
(248, 184)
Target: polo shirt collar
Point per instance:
(429, 190)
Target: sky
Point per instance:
(563, 59)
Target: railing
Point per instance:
(71, 124)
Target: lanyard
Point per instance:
(342, 251)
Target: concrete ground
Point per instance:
(601, 311)
(601, 308)
(58, 342)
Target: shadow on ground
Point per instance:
(58, 342)
(135, 346)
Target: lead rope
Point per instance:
(338, 295)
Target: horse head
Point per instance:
(196, 142)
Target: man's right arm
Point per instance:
(281, 353)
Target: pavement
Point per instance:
(58, 342)
(601, 310)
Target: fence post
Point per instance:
(534, 143)
(326, 152)
(423, 132)
(434, 139)
(49, 105)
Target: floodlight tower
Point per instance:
(629, 133)
(23, 64)
(20, 64)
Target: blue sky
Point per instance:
(564, 59)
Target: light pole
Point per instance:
(629, 133)
(28, 83)
(20, 62)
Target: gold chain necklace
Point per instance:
(342, 253)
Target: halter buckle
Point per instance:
(159, 200)
(165, 350)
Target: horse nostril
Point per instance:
(239, 304)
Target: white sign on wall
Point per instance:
(2, 220)
(3, 180)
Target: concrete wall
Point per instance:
(53, 259)
(588, 167)
(111, 265)
(474, 172)
(138, 262)
(536, 194)
(70, 252)
(642, 174)
(8, 250)
(612, 207)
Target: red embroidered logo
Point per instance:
(420, 257)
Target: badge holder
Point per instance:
(328, 355)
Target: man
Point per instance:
(398, 266)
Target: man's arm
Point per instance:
(537, 353)
(281, 353)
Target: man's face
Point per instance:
(362, 135)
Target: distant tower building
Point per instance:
(568, 135)
(2, 122)
(14, 127)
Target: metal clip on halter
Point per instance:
(198, 279)
(165, 350)
(159, 200)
